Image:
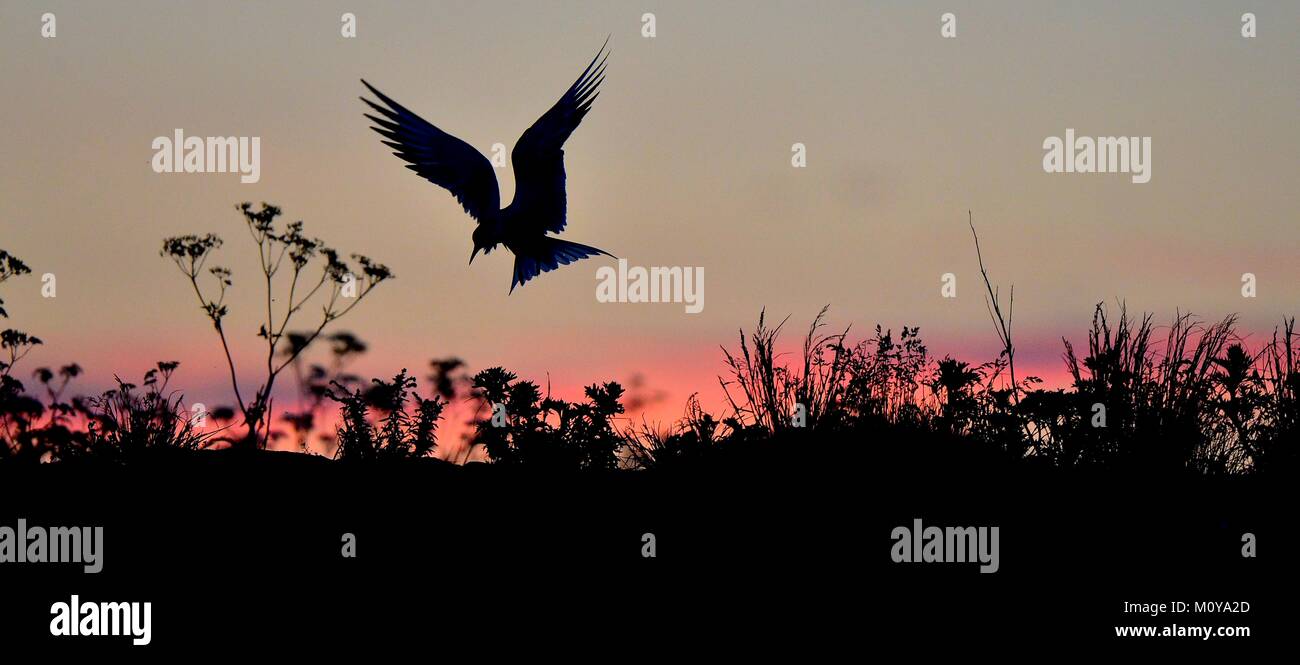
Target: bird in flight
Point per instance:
(540, 202)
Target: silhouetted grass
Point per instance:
(1195, 400)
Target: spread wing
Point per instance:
(437, 156)
(539, 155)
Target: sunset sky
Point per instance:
(684, 160)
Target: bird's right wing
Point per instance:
(437, 156)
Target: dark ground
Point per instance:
(241, 551)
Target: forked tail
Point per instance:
(547, 255)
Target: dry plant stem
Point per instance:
(193, 275)
(1001, 324)
(191, 253)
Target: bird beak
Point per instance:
(474, 254)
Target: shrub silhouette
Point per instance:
(522, 428)
(20, 437)
(10, 266)
(397, 434)
(952, 384)
(1275, 446)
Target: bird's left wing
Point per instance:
(437, 156)
(539, 155)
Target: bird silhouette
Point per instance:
(539, 206)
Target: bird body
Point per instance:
(540, 203)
